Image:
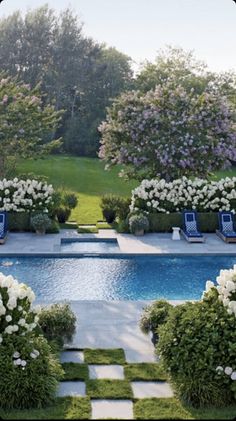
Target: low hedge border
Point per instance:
(162, 222)
(20, 221)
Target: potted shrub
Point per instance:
(63, 214)
(40, 222)
(138, 224)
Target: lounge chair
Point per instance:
(190, 229)
(3, 227)
(226, 229)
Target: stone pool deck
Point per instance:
(29, 243)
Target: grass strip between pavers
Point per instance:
(144, 372)
(109, 389)
(75, 371)
(71, 408)
(104, 356)
(173, 409)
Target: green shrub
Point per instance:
(40, 222)
(28, 370)
(57, 322)
(55, 204)
(195, 340)
(154, 316)
(70, 200)
(163, 222)
(19, 221)
(122, 208)
(63, 214)
(54, 228)
(138, 223)
(109, 207)
(32, 384)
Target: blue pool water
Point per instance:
(90, 246)
(115, 277)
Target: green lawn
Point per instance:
(88, 178)
(84, 176)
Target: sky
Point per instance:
(140, 28)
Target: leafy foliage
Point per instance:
(74, 71)
(196, 339)
(27, 124)
(57, 322)
(40, 222)
(169, 132)
(33, 386)
(154, 315)
(138, 223)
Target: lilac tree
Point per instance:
(169, 132)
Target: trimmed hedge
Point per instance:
(20, 221)
(162, 222)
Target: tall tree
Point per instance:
(25, 124)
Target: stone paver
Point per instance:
(158, 243)
(143, 390)
(71, 389)
(72, 357)
(112, 324)
(106, 372)
(112, 409)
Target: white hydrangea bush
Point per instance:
(25, 195)
(198, 194)
(17, 314)
(226, 289)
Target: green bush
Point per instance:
(70, 200)
(122, 208)
(195, 340)
(19, 221)
(63, 214)
(109, 207)
(115, 206)
(40, 222)
(54, 228)
(29, 373)
(154, 316)
(57, 322)
(163, 222)
(138, 223)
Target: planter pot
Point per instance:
(139, 233)
(40, 232)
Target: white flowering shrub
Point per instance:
(25, 195)
(197, 346)
(16, 312)
(28, 370)
(225, 288)
(202, 195)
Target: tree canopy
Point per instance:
(27, 126)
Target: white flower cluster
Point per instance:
(199, 194)
(228, 371)
(226, 289)
(18, 361)
(16, 312)
(24, 195)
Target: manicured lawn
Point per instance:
(63, 409)
(104, 356)
(172, 409)
(109, 389)
(84, 176)
(144, 371)
(75, 371)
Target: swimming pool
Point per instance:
(116, 277)
(89, 245)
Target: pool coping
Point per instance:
(109, 255)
